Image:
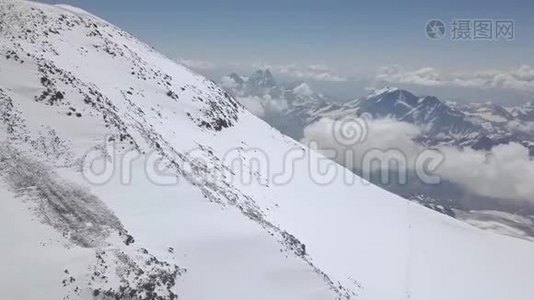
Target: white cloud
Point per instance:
(395, 74)
(229, 83)
(253, 104)
(261, 106)
(521, 78)
(379, 134)
(316, 72)
(505, 172)
(303, 89)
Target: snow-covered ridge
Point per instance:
(70, 83)
(381, 91)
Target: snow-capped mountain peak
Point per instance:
(237, 79)
(384, 90)
(303, 89)
(261, 79)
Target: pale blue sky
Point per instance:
(350, 38)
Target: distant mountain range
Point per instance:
(262, 83)
(477, 125)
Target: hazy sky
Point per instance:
(355, 42)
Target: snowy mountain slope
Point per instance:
(72, 84)
(488, 111)
(77, 221)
